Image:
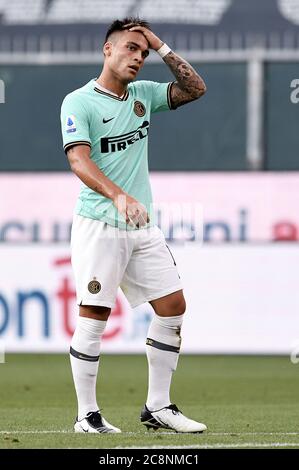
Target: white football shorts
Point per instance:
(105, 258)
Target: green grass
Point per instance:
(245, 401)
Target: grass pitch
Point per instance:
(246, 402)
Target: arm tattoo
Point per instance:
(189, 85)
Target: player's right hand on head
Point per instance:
(134, 211)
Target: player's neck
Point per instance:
(111, 83)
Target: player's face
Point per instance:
(127, 54)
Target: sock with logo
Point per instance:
(84, 356)
(162, 350)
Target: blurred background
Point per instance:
(233, 154)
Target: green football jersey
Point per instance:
(116, 129)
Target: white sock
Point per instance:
(162, 350)
(84, 356)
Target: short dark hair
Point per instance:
(120, 25)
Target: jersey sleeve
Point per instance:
(161, 97)
(74, 122)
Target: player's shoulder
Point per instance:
(80, 94)
(141, 86)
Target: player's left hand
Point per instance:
(153, 41)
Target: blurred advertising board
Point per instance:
(240, 299)
(215, 207)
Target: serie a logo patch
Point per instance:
(70, 125)
(94, 286)
(139, 108)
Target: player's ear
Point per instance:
(107, 49)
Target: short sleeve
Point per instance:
(161, 97)
(74, 122)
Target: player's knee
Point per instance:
(182, 307)
(95, 311)
(179, 306)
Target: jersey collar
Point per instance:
(105, 92)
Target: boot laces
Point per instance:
(174, 409)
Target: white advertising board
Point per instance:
(240, 299)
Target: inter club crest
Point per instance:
(139, 109)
